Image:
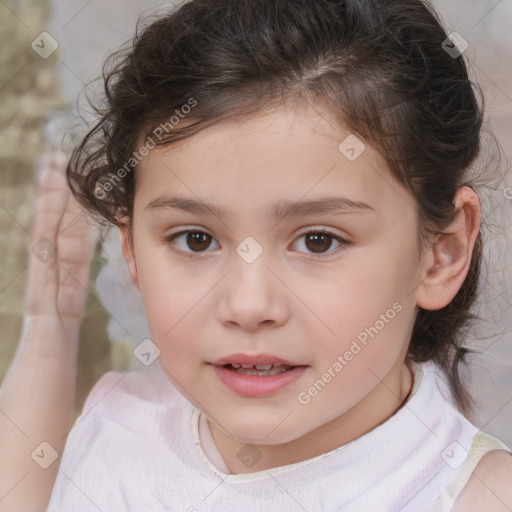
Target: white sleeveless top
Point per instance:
(141, 446)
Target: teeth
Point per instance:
(261, 369)
(263, 366)
(257, 366)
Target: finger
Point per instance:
(51, 198)
(75, 246)
(50, 204)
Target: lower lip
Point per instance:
(257, 385)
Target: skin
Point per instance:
(291, 302)
(489, 485)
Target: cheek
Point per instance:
(179, 303)
(366, 312)
(369, 319)
(171, 303)
(357, 294)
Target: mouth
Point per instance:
(257, 376)
(259, 369)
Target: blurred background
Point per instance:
(51, 52)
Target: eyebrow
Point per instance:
(283, 209)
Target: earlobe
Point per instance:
(129, 256)
(450, 256)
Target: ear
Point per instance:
(447, 261)
(127, 246)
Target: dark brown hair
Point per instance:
(380, 66)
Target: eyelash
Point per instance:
(343, 243)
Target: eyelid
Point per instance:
(310, 230)
(169, 238)
(321, 229)
(328, 231)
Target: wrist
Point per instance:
(49, 336)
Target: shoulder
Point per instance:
(115, 385)
(489, 487)
(120, 396)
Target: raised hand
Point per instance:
(36, 396)
(60, 254)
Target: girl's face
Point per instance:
(266, 238)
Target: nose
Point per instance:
(253, 297)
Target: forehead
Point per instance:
(278, 155)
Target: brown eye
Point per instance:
(198, 241)
(320, 242)
(191, 241)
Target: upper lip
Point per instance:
(259, 359)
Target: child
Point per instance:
(290, 181)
